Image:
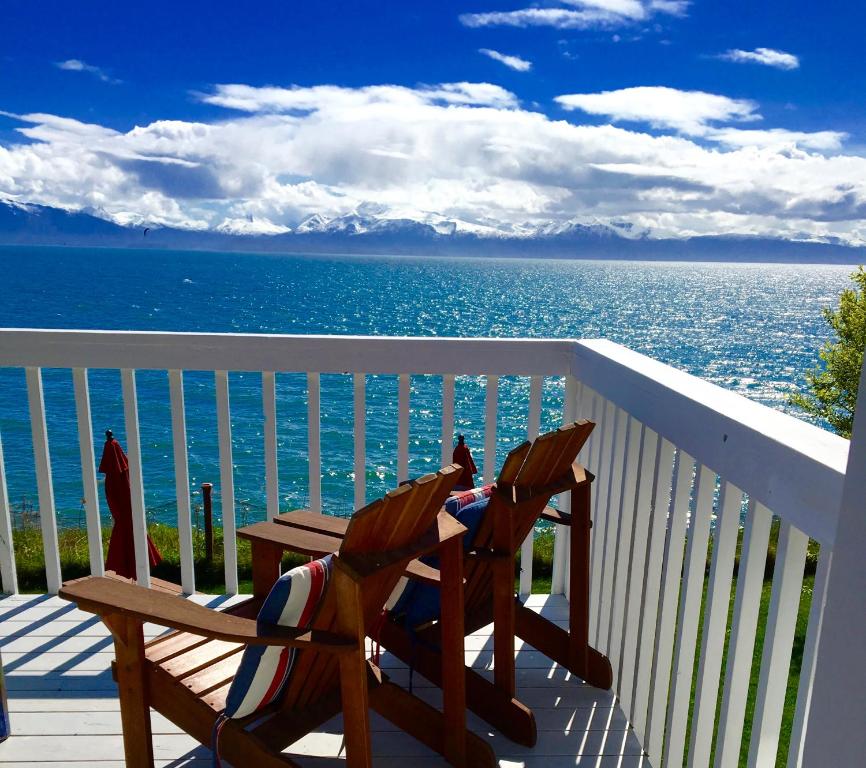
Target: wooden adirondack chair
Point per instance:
(532, 473)
(186, 674)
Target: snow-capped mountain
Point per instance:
(372, 228)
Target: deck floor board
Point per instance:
(64, 707)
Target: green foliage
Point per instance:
(833, 384)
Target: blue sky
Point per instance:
(678, 117)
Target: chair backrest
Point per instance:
(522, 493)
(379, 542)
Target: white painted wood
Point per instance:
(359, 384)
(403, 428)
(45, 488)
(630, 480)
(807, 668)
(637, 572)
(606, 427)
(8, 575)
(272, 476)
(779, 639)
(779, 460)
(533, 426)
(611, 530)
(181, 481)
(839, 696)
(670, 595)
(715, 622)
(559, 568)
(314, 444)
(227, 481)
(491, 400)
(741, 644)
(585, 410)
(299, 353)
(688, 617)
(447, 419)
(662, 493)
(88, 470)
(136, 481)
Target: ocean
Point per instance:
(753, 328)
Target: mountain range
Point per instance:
(370, 229)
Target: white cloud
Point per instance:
(512, 62)
(76, 65)
(467, 152)
(688, 112)
(580, 14)
(766, 56)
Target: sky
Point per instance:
(675, 117)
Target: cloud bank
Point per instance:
(671, 163)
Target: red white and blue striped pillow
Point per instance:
(265, 670)
(463, 499)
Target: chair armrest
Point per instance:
(105, 596)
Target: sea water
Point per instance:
(753, 328)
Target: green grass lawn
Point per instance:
(75, 563)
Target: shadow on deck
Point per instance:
(64, 707)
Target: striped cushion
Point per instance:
(264, 670)
(453, 506)
(460, 500)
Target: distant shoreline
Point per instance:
(840, 255)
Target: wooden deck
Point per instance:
(64, 707)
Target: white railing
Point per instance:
(677, 461)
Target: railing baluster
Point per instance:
(688, 617)
(807, 668)
(670, 594)
(314, 445)
(136, 481)
(637, 568)
(447, 419)
(88, 470)
(181, 480)
(741, 645)
(403, 428)
(601, 492)
(611, 531)
(663, 483)
(630, 480)
(560, 536)
(44, 484)
(359, 384)
(715, 621)
(8, 575)
(227, 481)
(778, 642)
(272, 478)
(491, 399)
(532, 429)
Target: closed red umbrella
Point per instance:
(121, 548)
(463, 457)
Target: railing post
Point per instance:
(835, 733)
(560, 541)
(8, 575)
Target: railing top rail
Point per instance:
(794, 468)
(274, 352)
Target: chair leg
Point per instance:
(428, 725)
(556, 643)
(132, 690)
(512, 718)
